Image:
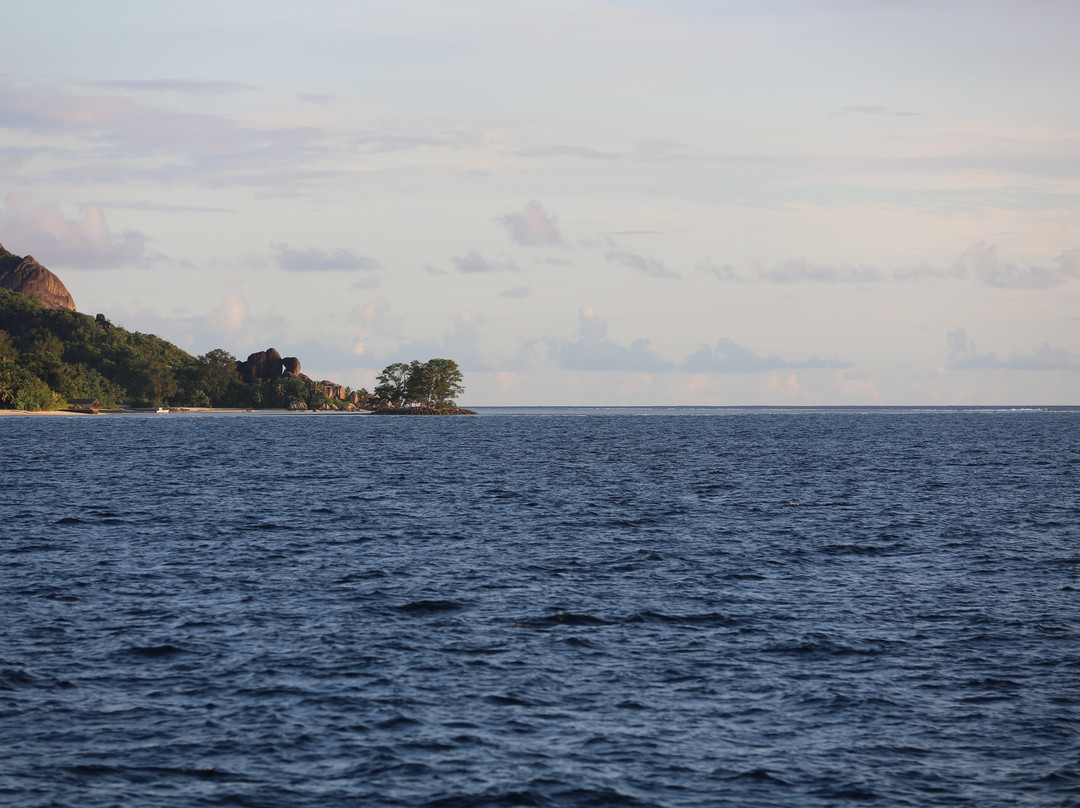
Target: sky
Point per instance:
(732, 202)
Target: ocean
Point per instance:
(541, 607)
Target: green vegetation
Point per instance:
(49, 356)
(435, 383)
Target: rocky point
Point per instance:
(26, 276)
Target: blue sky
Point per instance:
(820, 202)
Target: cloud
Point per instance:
(314, 259)
(592, 350)
(584, 152)
(15, 157)
(61, 242)
(963, 355)
(1069, 262)
(184, 86)
(799, 270)
(517, 292)
(982, 261)
(730, 357)
(376, 322)
(925, 272)
(461, 342)
(375, 144)
(473, 263)
(870, 109)
(533, 226)
(643, 264)
(789, 387)
(231, 314)
(229, 324)
(130, 126)
(853, 383)
(315, 98)
(722, 272)
(122, 138)
(862, 109)
(372, 312)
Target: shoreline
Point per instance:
(425, 411)
(141, 411)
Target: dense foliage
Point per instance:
(435, 383)
(48, 357)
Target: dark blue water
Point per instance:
(751, 609)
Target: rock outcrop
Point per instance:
(332, 389)
(263, 365)
(422, 411)
(27, 277)
(291, 368)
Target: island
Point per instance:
(52, 358)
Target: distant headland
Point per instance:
(54, 358)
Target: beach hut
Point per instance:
(91, 405)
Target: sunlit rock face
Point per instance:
(27, 277)
(262, 365)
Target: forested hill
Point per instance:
(48, 356)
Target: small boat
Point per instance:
(162, 409)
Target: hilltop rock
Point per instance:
(291, 367)
(27, 277)
(263, 365)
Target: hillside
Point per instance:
(48, 356)
(50, 353)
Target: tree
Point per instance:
(435, 383)
(216, 374)
(7, 347)
(393, 386)
(417, 387)
(154, 382)
(443, 382)
(22, 390)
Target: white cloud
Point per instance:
(982, 261)
(800, 270)
(533, 226)
(60, 242)
(183, 86)
(474, 263)
(788, 386)
(563, 150)
(592, 350)
(964, 355)
(122, 138)
(396, 141)
(230, 316)
(727, 356)
(374, 311)
(461, 343)
(722, 272)
(851, 383)
(642, 264)
(314, 259)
